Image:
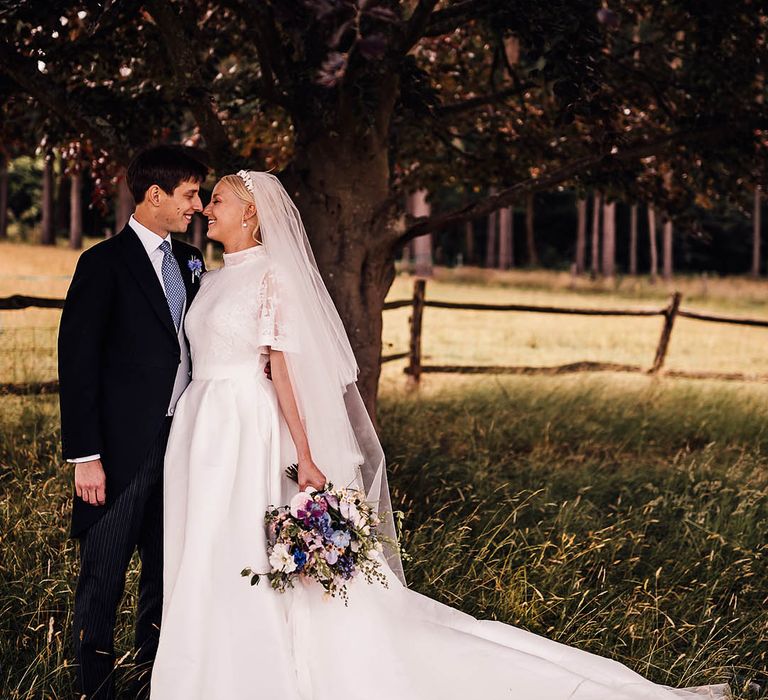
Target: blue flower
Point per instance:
(300, 558)
(195, 266)
(340, 539)
(322, 524)
(346, 566)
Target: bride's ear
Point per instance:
(250, 212)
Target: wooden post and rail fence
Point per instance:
(670, 313)
(415, 367)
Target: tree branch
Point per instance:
(24, 73)
(557, 176)
(272, 58)
(179, 49)
(415, 25)
(269, 48)
(474, 102)
(446, 20)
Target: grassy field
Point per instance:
(622, 514)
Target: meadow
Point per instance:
(623, 514)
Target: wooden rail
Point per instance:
(29, 388)
(18, 301)
(542, 309)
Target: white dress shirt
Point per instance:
(152, 242)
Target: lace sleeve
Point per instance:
(273, 316)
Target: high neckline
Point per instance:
(243, 255)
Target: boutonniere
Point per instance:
(195, 266)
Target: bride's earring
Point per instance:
(245, 225)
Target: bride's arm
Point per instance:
(309, 474)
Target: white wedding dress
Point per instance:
(222, 639)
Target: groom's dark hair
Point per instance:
(166, 166)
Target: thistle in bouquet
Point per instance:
(329, 536)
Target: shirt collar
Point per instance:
(149, 239)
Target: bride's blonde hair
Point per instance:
(237, 185)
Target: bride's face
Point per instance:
(226, 215)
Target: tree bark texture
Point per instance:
(668, 262)
(47, 232)
(595, 247)
(654, 250)
(530, 237)
(506, 238)
(76, 211)
(609, 239)
(633, 240)
(581, 236)
(756, 234)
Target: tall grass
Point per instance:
(621, 515)
(626, 517)
(38, 563)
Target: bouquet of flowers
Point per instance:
(329, 536)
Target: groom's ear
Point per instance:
(154, 195)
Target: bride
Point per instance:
(233, 434)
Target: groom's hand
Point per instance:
(91, 482)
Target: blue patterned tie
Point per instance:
(175, 292)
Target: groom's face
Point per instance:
(177, 208)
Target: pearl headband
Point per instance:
(246, 178)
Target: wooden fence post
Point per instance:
(670, 313)
(414, 365)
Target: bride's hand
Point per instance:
(310, 475)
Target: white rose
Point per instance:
(281, 560)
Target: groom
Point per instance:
(123, 363)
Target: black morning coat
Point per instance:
(118, 357)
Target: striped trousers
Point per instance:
(134, 520)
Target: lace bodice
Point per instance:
(238, 314)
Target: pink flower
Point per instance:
(301, 501)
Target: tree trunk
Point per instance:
(492, 239)
(3, 197)
(654, 272)
(422, 246)
(633, 240)
(506, 238)
(609, 239)
(76, 211)
(340, 183)
(530, 239)
(668, 264)
(595, 248)
(469, 242)
(61, 198)
(47, 233)
(581, 237)
(756, 226)
(406, 258)
(125, 204)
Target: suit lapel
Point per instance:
(140, 266)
